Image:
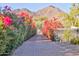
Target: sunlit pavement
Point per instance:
(41, 46)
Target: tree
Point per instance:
(72, 18)
(39, 21)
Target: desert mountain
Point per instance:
(49, 11)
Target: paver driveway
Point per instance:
(41, 46)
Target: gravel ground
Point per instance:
(41, 46)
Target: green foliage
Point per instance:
(39, 24)
(1, 27)
(76, 23)
(12, 15)
(72, 18)
(75, 41)
(39, 21)
(67, 35)
(11, 39)
(74, 9)
(5, 42)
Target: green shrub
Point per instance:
(6, 42)
(11, 39)
(75, 41)
(68, 35)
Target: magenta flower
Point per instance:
(7, 21)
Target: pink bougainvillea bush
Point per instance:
(50, 25)
(7, 21)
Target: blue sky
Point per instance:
(36, 6)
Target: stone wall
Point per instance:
(74, 32)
